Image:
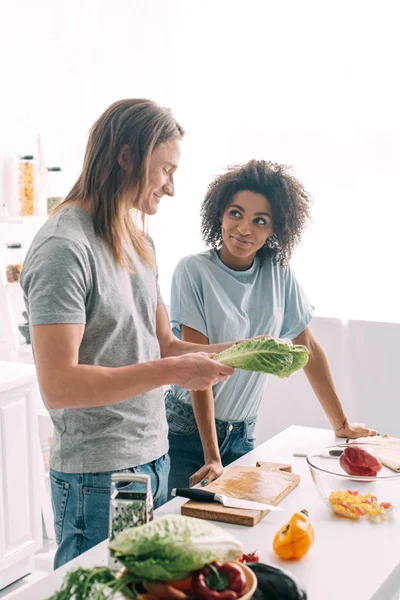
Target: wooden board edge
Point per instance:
(263, 464)
(282, 495)
(223, 517)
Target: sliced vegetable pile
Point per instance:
(349, 503)
(265, 355)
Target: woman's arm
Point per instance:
(320, 377)
(65, 383)
(171, 346)
(203, 408)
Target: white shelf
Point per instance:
(16, 220)
(10, 285)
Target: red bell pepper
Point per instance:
(219, 581)
(357, 461)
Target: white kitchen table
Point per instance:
(350, 560)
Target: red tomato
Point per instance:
(250, 557)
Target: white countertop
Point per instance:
(350, 560)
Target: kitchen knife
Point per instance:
(204, 496)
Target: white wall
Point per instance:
(309, 83)
(364, 360)
(313, 84)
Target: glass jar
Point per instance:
(13, 261)
(55, 193)
(3, 210)
(27, 186)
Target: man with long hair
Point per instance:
(101, 336)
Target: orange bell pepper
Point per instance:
(294, 539)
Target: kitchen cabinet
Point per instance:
(20, 512)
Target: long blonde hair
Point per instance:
(141, 125)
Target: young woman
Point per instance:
(101, 336)
(252, 218)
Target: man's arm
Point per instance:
(203, 408)
(65, 383)
(320, 377)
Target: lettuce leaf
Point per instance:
(171, 547)
(266, 355)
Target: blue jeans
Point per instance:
(186, 452)
(81, 505)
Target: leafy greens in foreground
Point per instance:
(98, 583)
(169, 548)
(172, 547)
(265, 355)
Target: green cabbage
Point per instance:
(171, 547)
(265, 355)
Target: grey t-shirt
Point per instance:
(71, 276)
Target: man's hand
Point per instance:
(197, 371)
(209, 472)
(354, 430)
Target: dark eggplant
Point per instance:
(276, 584)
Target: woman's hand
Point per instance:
(354, 430)
(209, 472)
(197, 371)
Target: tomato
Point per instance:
(249, 558)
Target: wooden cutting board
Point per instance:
(267, 482)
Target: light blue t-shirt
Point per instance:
(227, 305)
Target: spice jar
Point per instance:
(27, 185)
(13, 262)
(55, 193)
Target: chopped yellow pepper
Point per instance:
(294, 539)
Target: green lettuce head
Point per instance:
(265, 355)
(173, 546)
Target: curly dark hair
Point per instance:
(290, 203)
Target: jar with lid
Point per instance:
(13, 261)
(55, 193)
(27, 185)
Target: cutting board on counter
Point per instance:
(267, 482)
(389, 454)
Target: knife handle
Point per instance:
(194, 494)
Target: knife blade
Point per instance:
(204, 496)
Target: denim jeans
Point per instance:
(234, 440)
(81, 504)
